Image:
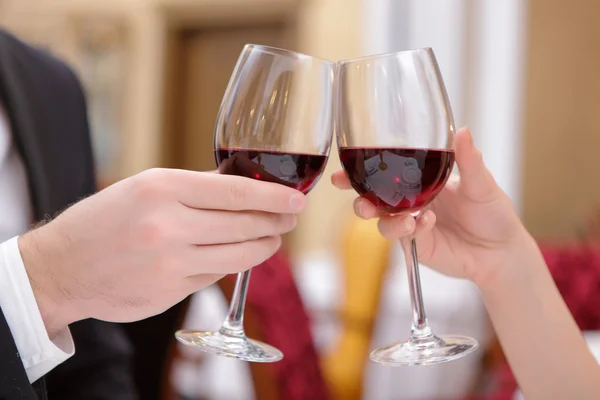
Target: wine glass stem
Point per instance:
(420, 326)
(234, 323)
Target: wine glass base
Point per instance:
(239, 347)
(425, 351)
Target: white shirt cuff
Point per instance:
(38, 353)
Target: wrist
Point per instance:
(518, 269)
(45, 282)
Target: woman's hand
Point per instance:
(470, 230)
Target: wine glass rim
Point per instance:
(385, 55)
(285, 52)
(449, 149)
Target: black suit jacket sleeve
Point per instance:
(100, 368)
(13, 380)
(47, 113)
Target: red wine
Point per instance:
(397, 180)
(299, 171)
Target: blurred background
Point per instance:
(522, 74)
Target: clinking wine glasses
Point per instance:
(394, 131)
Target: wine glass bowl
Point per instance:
(297, 170)
(397, 180)
(394, 129)
(275, 124)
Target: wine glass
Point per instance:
(394, 131)
(275, 124)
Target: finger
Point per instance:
(207, 227)
(425, 235)
(364, 208)
(476, 180)
(425, 222)
(197, 282)
(340, 180)
(395, 227)
(233, 257)
(228, 192)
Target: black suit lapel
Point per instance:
(49, 125)
(17, 92)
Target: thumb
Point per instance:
(476, 181)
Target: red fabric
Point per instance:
(576, 271)
(274, 299)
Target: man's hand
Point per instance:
(145, 243)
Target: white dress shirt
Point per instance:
(38, 353)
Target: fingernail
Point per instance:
(297, 202)
(409, 223)
(466, 128)
(358, 207)
(424, 218)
